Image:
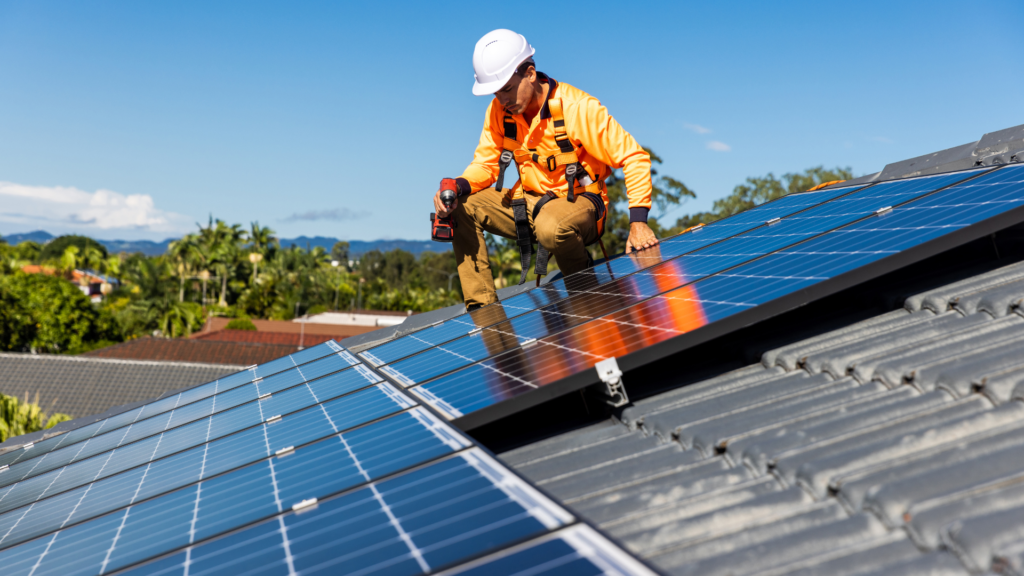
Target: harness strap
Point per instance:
(541, 267)
(568, 157)
(524, 237)
(510, 145)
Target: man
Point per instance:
(556, 133)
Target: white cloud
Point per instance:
(697, 128)
(718, 146)
(61, 208)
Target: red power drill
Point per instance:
(443, 229)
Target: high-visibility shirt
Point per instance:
(605, 146)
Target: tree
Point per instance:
(756, 191)
(221, 245)
(665, 191)
(65, 319)
(187, 256)
(19, 417)
(54, 249)
(339, 253)
(261, 239)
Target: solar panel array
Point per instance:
(470, 364)
(308, 464)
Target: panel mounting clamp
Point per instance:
(882, 211)
(611, 388)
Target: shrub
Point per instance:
(241, 324)
(19, 417)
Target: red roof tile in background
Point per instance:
(202, 351)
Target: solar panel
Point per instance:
(588, 305)
(316, 469)
(173, 402)
(123, 457)
(597, 276)
(721, 281)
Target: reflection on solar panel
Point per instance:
(706, 292)
(314, 464)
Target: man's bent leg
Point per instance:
(476, 213)
(565, 229)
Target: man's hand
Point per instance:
(443, 212)
(640, 236)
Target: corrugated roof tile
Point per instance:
(757, 450)
(939, 299)
(898, 441)
(725, 533)
(976, 541)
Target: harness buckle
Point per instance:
(570, 178)
(503, 161)
(552, 164)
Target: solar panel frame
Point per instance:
(588, 377)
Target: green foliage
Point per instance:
(19, 417)
(54, 249)
(64, 319)
(666, 192)
(757, 191)
(241, 324)
(340, 253)
(17, 327)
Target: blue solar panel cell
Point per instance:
(413, 523)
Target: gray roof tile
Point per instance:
(858, 558)
(941, 299)
(789, 547)
(851, 488)
(757, 449)
(821, 458)
(976, 540)
(725, 534)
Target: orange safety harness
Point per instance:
(576, 176)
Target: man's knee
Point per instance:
(553, 234)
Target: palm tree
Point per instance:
(221, 246)
(187, 256)
(261, 239)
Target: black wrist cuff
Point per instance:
(638, 215)
(462, 185)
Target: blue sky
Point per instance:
(137, 119)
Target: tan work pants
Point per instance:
(564, 228)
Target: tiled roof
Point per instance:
(186, 350)
(891, 446)
(288, 327)
(84, 386)
(257, 337)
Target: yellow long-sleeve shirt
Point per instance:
(605, 146)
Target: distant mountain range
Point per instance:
(150, 248)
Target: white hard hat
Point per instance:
(495, 59)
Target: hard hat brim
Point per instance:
(489, 88)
